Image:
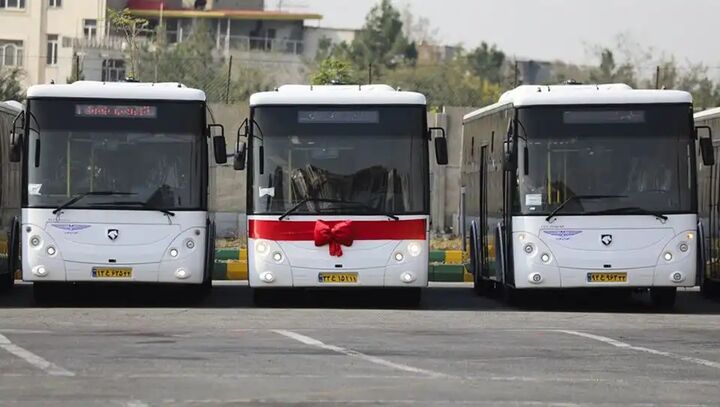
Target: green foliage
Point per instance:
(333, 70)
(193, 64)
(381, 42)
(449, 84)
(487, 62)
(131, 27)
(10, 88)
(610, 72)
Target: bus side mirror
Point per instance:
(441, 150)
(240, 157)
(508, 162)
(219, 149)
(16, 139)
(15, 147)
(707, 151)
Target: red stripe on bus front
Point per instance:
(361, 230)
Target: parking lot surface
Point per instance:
(125, 348)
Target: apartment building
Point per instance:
(50, 39)
(37, 35)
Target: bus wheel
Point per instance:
(709, 288)
(663, 297)
(46, 294)
(410, 297)
(478, 283)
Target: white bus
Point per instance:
(338, 189)
(577, 186)
(115, 185)
(9, 197)
(709, 201)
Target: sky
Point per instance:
(554, 29)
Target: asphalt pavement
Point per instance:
(126, 347)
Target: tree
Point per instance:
(333, 70)
(381, 42)
(609, 72)
(131, 28)
(487, 62)
(76, 71)
(10, 88)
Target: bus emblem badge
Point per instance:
(113, 234)
(606, 239)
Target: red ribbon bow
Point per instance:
(337, 235)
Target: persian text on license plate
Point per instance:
(112, 272)
(607, 277)
(338, 278)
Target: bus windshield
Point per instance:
(121, 154)
(640, 159)
(362, 160)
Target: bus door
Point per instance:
(483, 228)
(714, 224)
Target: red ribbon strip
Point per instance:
(336, 236)
(292, 231)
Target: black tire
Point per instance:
(663, 298)
(410, 297)
(7, 281)
(479, 286)
(45, 294)
(710, 288)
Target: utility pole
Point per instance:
(370, 74)
(517, 73)
(657, 77)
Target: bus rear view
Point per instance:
(597, 190)
(338, 190)
(116, 186)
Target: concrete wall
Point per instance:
(227, 186)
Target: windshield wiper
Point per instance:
(579, 198)
(76, 198)
(631, 210)
(139, 203)
(337, 201)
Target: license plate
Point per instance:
(338, 278)
(607, 277)
(112, 272)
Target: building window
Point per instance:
(90, 29)
(12, 4)
(11, 53)
(113, 70)
(55, 3)
(52, 49)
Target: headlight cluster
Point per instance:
(413, 249)
(533, 249)
(270, 251)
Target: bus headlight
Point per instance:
(174, 253)
(407, 277)
(277, 257)
(190, 244)
(677, 277)
(182, 274)
(399, 257)
(684, 247)
(51, 251)
(261, 247)
(668, 256)
(35, 241)
(40, 271)
(415, 249)
(267, 277)
(528, 248)
(545, 258)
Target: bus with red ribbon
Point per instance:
(338, 189)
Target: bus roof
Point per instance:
(708, 114)
(11, 106)
(337, 95)
(608, 94)
(118, 90)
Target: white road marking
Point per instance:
(623, 345)
(33, 359)
(353, 353)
